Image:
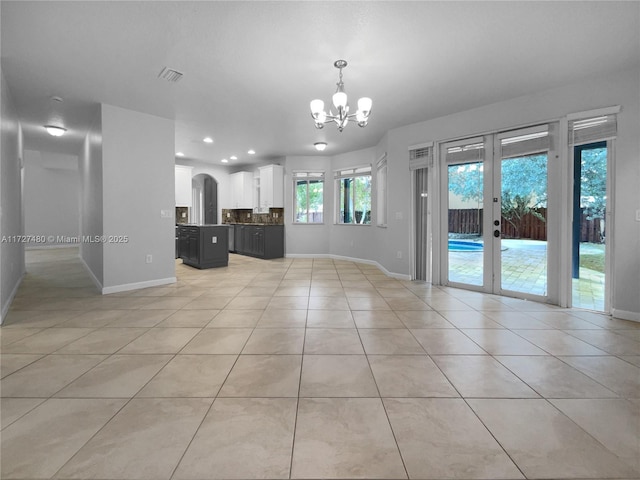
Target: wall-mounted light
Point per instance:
(54, 130)
(320, 146)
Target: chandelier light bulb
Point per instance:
(364, 105)
(339, 100)
(317, 107)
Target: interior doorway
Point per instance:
(205, 199)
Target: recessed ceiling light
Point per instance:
(233, 157)
(207, 140)
(179, 154)
(251, 152)
(224, 160)
(55, 131)
(320, 146)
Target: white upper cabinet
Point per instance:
(271, 187)
(184, 198)
(241, 190)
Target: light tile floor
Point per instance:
(309, 369)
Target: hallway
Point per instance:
(308, 368)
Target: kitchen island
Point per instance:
(203, 246)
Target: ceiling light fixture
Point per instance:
(179, 154)
(207, 140)
(233, 157)
(251, 152)
(320, 117)
(55, 131)
(320, 146)
(224, 160)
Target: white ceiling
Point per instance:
(251, 68)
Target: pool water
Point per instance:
(464, 246)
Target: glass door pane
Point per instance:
(465, 214)
(523, 235)
(589, 234)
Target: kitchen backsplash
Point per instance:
(274, 217)
(182, 214)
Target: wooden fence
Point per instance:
(469, 222)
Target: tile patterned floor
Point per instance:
(309, 369)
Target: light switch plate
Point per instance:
(637, 215)
(214, 239)
(165, 214)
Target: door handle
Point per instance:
(496, 233)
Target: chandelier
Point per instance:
(342, 117)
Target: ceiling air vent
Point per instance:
(170, 75)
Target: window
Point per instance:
(381, 191)
(308, 188)
(353, 187)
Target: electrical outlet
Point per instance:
(228, 214)
(149, 259)
(248, 215)
(214, 239)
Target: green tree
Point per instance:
(593, 182)
(523, 190)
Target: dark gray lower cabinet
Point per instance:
(261, 241)
(204, 246)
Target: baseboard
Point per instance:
(96, 282)
(7, 306)
(308, 255)
(46, 246)
(625, 315)
(137, 285)
(398, 276)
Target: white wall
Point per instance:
(51, 195)
(354, 241)
(91, 218)
(11, 219)
(308, 239)
(138, 182)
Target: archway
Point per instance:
(205, 199)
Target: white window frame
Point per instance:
(308, 175)
(381, 191)
(351, 172)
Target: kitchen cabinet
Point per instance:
(241, 190)
(271, 187)
(204, 246)
(184, 198)
(261, 241)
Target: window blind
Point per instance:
(594, 129)
(526, 143)
(353, 172)
(308, 175)
(420, 158)
(466, 153)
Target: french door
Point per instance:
(498, 190)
